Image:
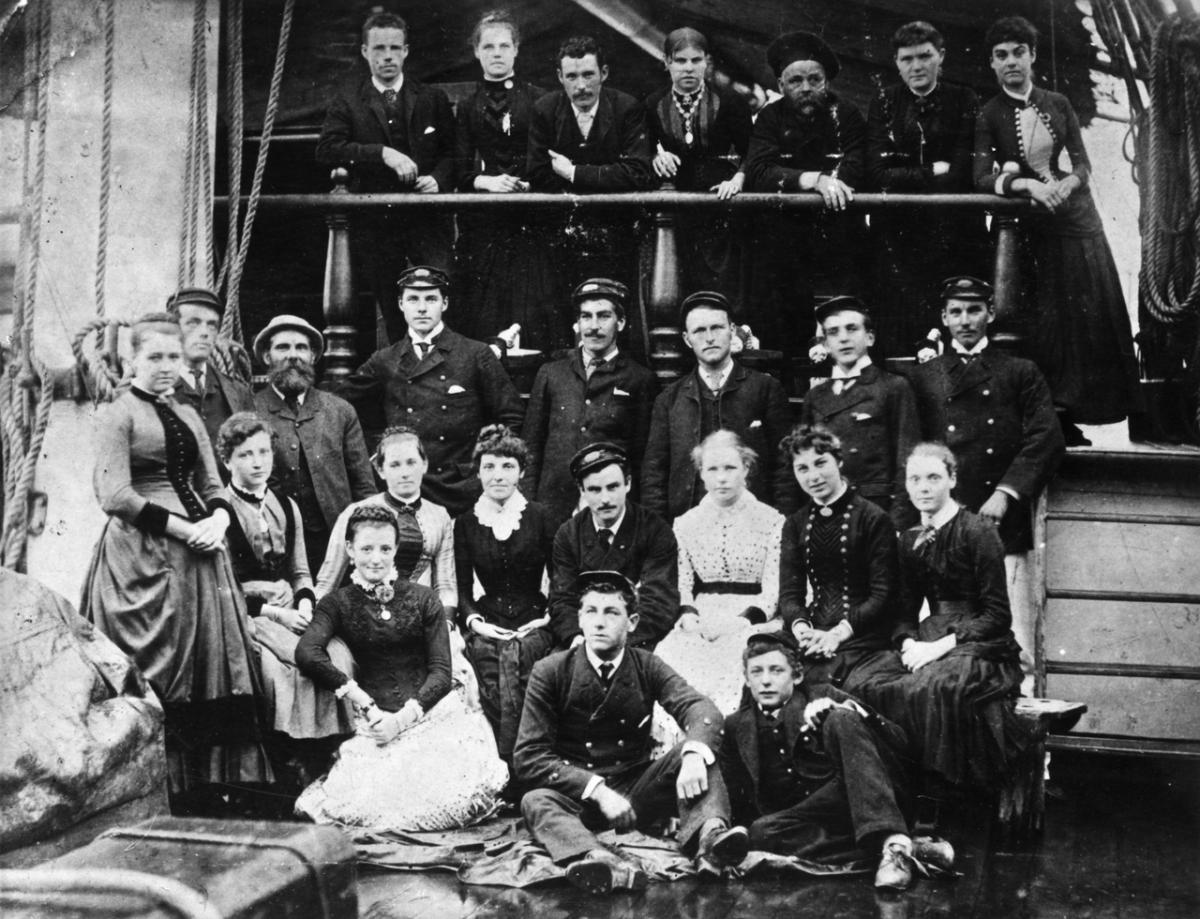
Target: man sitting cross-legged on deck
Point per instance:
(816, 774)
(584, 747)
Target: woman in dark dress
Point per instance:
(1081, 337)
(160, 584)
(845, 547)
(700, 133)
(958, 669)
(505, 542)
(422, 759)
(505, 269)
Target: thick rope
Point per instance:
(1170, 273)
(95, 365)
(108, 15)
(236, 105)
(195, 194)
(260, 165)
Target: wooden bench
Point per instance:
(1021, 803)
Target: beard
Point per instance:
(811, 106)
(292, 377)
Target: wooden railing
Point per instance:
(661, 297)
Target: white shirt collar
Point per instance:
(188, 375)
(588, 112)
(596, 662)
(721, 377)
(300, 396)
(978, 349)
(1021, 97)
(942, 517)
(616, 526)
(383, 87)
(607, 356)
(434, 333)
(839, 374)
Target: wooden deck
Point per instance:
(1124, 843)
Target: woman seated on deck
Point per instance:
(505, 542)
(423, 757)
(266, 545)
(954, 681)
(401, 463)
(728, 574)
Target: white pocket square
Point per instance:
(617, 391)
(454, 390)
(430, 129)
(756, 423)
(861, 416)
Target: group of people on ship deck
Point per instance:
(611, 605)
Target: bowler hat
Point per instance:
(262, 341)
(801, 46)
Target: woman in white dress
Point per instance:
(728, 573)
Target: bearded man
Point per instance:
(320, 455)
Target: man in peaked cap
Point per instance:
(613, 533)
(719, 394)
(439, 383)
(814, 773)
(320, 455)
(584, 748)
(595, 392)
(809, 141)
(872, 412)
(994, 410)
(213, 394)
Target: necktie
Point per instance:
(593, 365)
(925, 539)
(389, 99)
(967, 358)
(197, 380)
(605, 536)
(841, 384)
(606, 670)
(424, 347)
(292, 402)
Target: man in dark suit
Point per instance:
(597, 392)
(321, 458)
(873, 412)
(443, 385)
(817, 775)
(213, 394)
(613, 534)
(920, 140)
(584, 748)
(395, 135)
(809, 141)
(583, 139)
(719, 394)
(995, 412)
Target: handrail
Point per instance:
(657, 200)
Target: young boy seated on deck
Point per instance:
(817, 775)
(584, 748)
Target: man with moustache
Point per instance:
(597, 392)
(395, 135)
(613, 533)
(213, 394)
(443, 385)
(587, 138)
(808, 141)
(321, 458)
(719, 394)
(920, 140)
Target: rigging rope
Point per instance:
(108, 15)
(1170, 272)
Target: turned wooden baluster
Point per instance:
(661, 302)
(1010, 319)
(338, 300)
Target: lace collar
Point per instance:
(745, 503)
(502, 519)
(383, 591)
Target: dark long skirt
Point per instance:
(503, 668)
(181, 618)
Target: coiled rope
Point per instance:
(1170, 272)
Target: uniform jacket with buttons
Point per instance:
(457, 388)
(222, 397)
(997, 416)
(876, 420)
(327, 430)
(643, 549)
(572, 730)
(739, 754)
(615, 157)
(567, 412)
(356, 130)
(752, 405)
